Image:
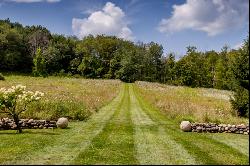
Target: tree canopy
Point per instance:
(35, 48)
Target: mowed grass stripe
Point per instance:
(153, 145)
(83, 138)
(239, 142)
(115, 144)
(204, 149)
(68, 144)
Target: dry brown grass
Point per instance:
(194, 104)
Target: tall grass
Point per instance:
(71, 97)
(193, 104)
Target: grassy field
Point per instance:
(73, 97)
(193, 104)
(129, 130)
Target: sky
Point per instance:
(175, 24)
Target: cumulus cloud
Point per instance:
(31, 1)
(109, 21)
(210, 16)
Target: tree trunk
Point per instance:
(16, 119)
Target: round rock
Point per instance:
(62, 123)
(185, 126)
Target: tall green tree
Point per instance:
(240, 102)
(169, 66)
(39, 68)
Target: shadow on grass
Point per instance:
(67, 128)
(9, 73)
(13, 132)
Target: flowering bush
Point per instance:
(14, 101)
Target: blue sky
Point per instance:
(206, 24)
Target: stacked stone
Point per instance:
(9, 124)
(220, 128)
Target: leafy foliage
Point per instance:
(1, 77)
(39, 68)
(241, 72)
(14, 101)
(110, 57)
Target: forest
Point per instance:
(36, 51)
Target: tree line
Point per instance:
(33, 49)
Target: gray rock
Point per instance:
(185, 126)
(243, 126)
(233, 129)
(63, 123)
(224, 125)
(30, 121)
(33, 124)
(199, 129)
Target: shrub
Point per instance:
(77, 76)
(39, 68)
(81, 115)
(240, 102)
(2, 77)
(61, 73)
(14, 101)
(52, 110)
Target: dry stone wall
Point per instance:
(220, 128)
(9, 124)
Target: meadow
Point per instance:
(75, 98)
(193, 104)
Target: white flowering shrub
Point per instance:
(14, 101)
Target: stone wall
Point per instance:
(9, 124)
(220, 128)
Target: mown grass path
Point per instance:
(127, 131)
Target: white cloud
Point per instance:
(237, 46)
(31, 1)
(109, 21)
(210, 16)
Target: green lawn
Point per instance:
(129, 130)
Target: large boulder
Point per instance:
(62, 123)
(185, 126)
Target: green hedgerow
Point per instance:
(2, 77)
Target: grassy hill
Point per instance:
(133, 128)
